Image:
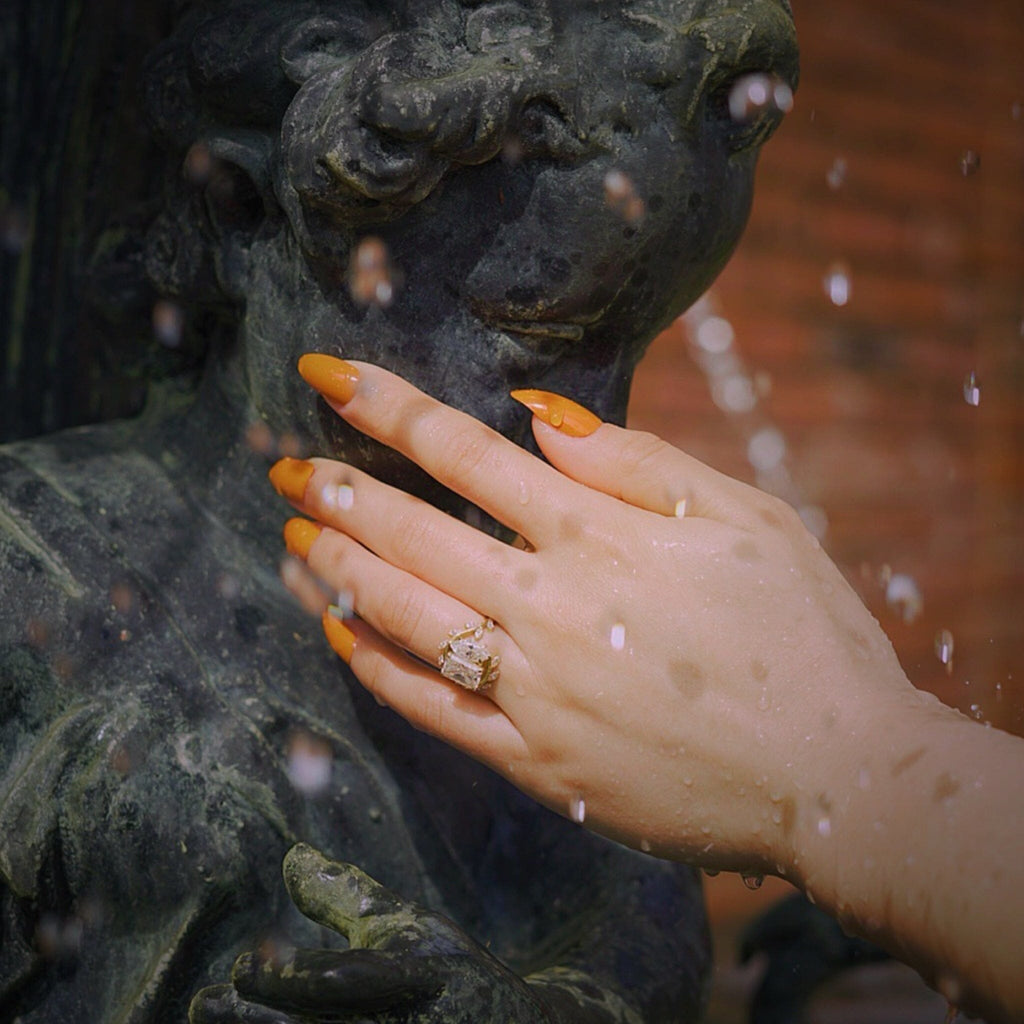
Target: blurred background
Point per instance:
(863, 354)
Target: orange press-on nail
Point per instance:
(333, 378)
(290, 477)
(299, 535)
(562, 413)
(339, 636)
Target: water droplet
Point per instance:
(824, 827)
(734, 393)
(168, 323)
(977, 712)
(836, 176)
(376, 814)
(944, 648)
(309, 763)
(524, 493)
(645, 846)
(712, 872)
(970, 162)
(752, 881)
(680, 508)
(903, 594)
(837, 284)
(763, 703)
(863, 779)
(618, 637)
(621, 197)
(578, 808)
(972, 392)
(556, 414)
(776, 817)
(766, 449)
(372, 280)
(346, 496)
(715, 335)
(754, 94)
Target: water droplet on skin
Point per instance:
(520, 691)
(578, 808)
(376, 814)
(680, 508)
(752, 881)
(972, 392)
(524, 493)
(346, 496)
(618, 637)
(776, 817)
(944, 649)
(837, 285)
(824, 827)
(863, 779)
(645, 846)
(556, 415)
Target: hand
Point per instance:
(678, 656)
(404, 964)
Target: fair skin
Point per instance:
(697, 680)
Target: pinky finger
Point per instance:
(467, 721)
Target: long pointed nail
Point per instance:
(290, 477)
(339, 636)
(561, 413)
(333, 378)
(299, 535)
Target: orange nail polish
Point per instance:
(339, 636)
(333, 378)
(562, 413)
(290, 477)
(299, 535)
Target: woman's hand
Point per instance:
(678, 656)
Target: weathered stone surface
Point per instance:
(154, 677)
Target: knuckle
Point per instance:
(400, 614)
(412, 534)
(641, 452)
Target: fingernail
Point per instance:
(339, 636)
(562, 413)
(290, 477)
(299, 535)
(333, 378)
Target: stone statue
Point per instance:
(479, 195)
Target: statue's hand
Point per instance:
(405, 964)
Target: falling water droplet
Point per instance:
(578, 808)
(715, 335)
(944, 648)
(972, 391)
(766, 449)
(346, 496)
(824, 827)
(902, 593)
(752, 881)
(837, 285)
(836, 176)
(970, 162)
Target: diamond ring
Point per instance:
(465, 659)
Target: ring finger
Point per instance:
(404, 609)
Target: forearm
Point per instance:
(915, 841)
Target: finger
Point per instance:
(632, 465)
(412, 614)
(368, 914)
(463, 454)
(404, 531)
(221, 1004)
(365, 980)
(471, 722)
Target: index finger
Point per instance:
(459, 451)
